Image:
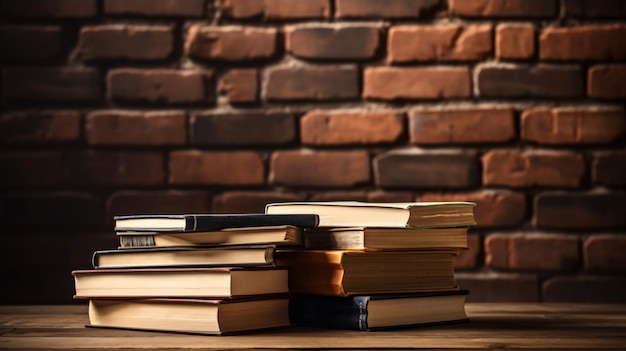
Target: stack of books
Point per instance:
(374, 266)
(205, 274)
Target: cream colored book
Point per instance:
(371, 214)
(191, 316)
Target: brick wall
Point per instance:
(133, 106)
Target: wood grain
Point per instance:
(492, 326)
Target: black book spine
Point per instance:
(329, 311)
(217, 222)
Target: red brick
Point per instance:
(607, 81)
(125, 42)
(384, 8)
(390, 196)
(580, 210)
(589, 42)
(109, 168)
(514, 168)
(242, 168)
(595, 8)
(469, 258)
(52, 84)
(276, 9)
(50, 8)
(494, 208)
(609, 168)
(605, 253)
(158, 202)
(136, 128)
(312, 83)
(532, 252)
(585, 289)
(445, 42)
(30, 42)
(39, 127)
(250, 202)
(240, 85)
(170, 8)
(332, 42)
(572, 125)
(247, 128)
(435, 82)
(37, 168)
(231, 43)
(52, 211)
(160, 86)
(499, 287)
(320, 169)
(339, 195)
(530, 81)
(504, 8)
(342, 128)
(460, 125)
(426, 169)
(515, 41)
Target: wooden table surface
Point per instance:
(492, 326)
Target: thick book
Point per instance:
(278, 235)
(347, 272)
(370, 214)
(209, 222)
(194, 316)
(378, 312)
(180, 282)
(220, 256)
(369, 238)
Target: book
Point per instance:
(370, 214)
(195, 316)
(180, 282)
(278, 235)
(220, 256)
(209, 222)
(369, 238)
(345, 272)
(378, 312)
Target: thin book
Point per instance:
(371, 214)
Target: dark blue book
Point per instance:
(210, 222)
(378, 312)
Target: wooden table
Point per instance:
(492, 326)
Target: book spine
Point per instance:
(329, 312)
(217, 222)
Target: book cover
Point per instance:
(216, 256)
(192, 316)
(378, 312)
(285, 235)
(209, 222)
(225, 282)
(349, 272)
(376, 214)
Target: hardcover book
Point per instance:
(279, 235)
(209, 222)
(346, 272)
(180, 282)
(378, 312)
(369, 238)
(369, 214)
(191, 315)
(219, 256)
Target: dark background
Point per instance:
(146, 106)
